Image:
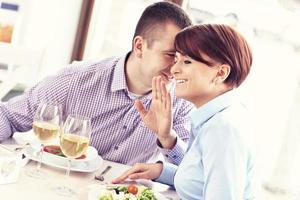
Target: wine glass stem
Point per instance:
(41, 157)
(68, 168)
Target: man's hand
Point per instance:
(141, 171)
(159, 117)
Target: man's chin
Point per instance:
(165, 78)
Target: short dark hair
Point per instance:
(222, 44)
(158, 14)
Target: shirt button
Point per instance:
(116, 147)
(124, 127)
(175, 156)
(167, 155)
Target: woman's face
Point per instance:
(195, 81)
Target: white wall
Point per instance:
(50, 25)
(112, 27)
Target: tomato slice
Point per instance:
(132, 189)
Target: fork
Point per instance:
(16, 149)
(100, 176)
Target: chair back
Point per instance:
(19, 65)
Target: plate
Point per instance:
(96, 190)
(90, 154)
(91, 163)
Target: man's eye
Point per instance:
(187, 62)
(170, 55)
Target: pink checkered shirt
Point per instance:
(98, 90)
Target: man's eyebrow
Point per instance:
(169, 51)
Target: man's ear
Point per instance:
(138, 46)
(223, 73)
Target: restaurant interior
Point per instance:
(40, 38)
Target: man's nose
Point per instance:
(174, 68)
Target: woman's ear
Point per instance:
(138, 46)
(223, 73)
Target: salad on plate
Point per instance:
(125, 192)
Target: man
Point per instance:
(106, 91)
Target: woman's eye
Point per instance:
(187, 62)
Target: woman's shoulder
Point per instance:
(230, 125)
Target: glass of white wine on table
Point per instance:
(46, 127)
(74, 142)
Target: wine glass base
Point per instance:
(65, 191)
(36, 173)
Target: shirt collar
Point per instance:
(119, 77)
(208, 110)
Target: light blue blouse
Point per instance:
(218, 164)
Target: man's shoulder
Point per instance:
(83, 67)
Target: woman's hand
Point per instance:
(141, 171)
(159, 117)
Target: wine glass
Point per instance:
(46, 127)
(74, 142)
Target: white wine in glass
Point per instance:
(46, 127)
(74, 142)
(45, 131)
(73, 146)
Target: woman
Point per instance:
(211, 61)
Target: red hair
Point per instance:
(222, 44)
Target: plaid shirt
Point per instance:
(98, 90)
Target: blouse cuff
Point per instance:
(168, 173)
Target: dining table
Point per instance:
(27, 187)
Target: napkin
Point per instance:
(10, 165)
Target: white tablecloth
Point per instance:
(36, 189)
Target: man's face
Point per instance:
(159, 57)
